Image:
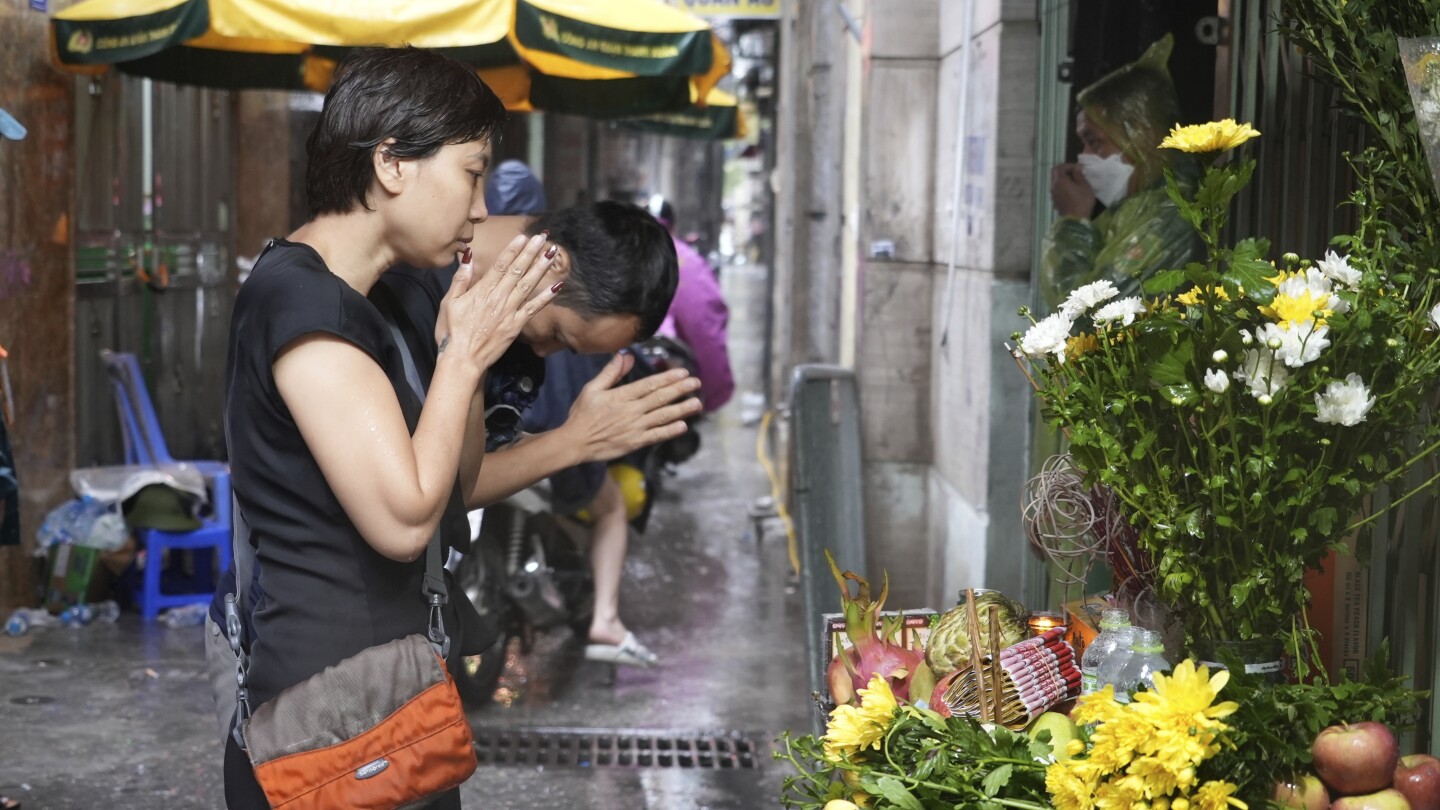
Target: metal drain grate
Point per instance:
(599, 747)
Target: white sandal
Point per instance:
(629, 652)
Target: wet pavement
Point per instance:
(120, 716)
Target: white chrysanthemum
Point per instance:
(1123, 310)
(1216, 381)
(1344, 403)
(1337, 268)
(1047, 336)
(1435, 316)
(1298, 345)
(1082, 299)
(1263, 372)
(1317, 286)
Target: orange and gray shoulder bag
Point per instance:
(382, 729)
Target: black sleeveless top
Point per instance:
(325, 593)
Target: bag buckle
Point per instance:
(438, 637)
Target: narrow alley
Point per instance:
(119, 716)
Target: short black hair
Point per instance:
(622, 262)
(422, 99)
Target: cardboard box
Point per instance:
(1339, 608)
(1082, 616)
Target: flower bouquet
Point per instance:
(1244, 411)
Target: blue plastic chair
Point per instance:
(145, 445)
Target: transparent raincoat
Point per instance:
(1135, 106)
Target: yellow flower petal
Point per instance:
(1216, 136)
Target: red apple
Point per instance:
(1381, 800)
(1356, 758)
(1418, 777)
(1303, 793)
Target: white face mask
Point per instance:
(1109, 177)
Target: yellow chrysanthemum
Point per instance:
(877, 702)
(1116, 795)
(1067, 790)
(1097, 707)
(1192, 298)
(1217, 796)
(1081, 345)
(1289, 310)
(1185, 697)
(1155, 777)
(1215, 136)
(853, 729)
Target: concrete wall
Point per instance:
(37, 281)
(895, 332)
(943, 407)
(979, 400)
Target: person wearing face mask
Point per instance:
(1122, 120)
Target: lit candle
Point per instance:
(1044, 621)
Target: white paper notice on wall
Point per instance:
(882, 249)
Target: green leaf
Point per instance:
(897, 794)
(1240, 591)
(1172, 368)
(1163, 282)
(996, 779)
(1248, 269)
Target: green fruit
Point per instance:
(948, 648)
(1062, 730)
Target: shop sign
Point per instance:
(730, 9)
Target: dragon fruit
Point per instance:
(876, 649)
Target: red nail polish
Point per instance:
(550, 251)
(545, 234)
(469, 254)
(558, 285)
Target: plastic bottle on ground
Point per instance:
(1104, 645)
(1147, 657)
(107, 611)
(1109, 672)
(77, 616)
(23, 619)
(186, 615)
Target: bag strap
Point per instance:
(432, 586)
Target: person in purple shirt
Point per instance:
(698, 315)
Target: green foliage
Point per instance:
(1212, 417)
(1276, 724)
(1351, 45)
(926, 762)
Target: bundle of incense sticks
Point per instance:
(1017, 685)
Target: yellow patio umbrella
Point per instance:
(632, 56)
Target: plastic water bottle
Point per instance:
(77, 616)
(23, 619)
(1147, 657)
(1104, 645)
(186, 616)
(1108, 673)
(107, 612)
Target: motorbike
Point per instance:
(527, 569)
